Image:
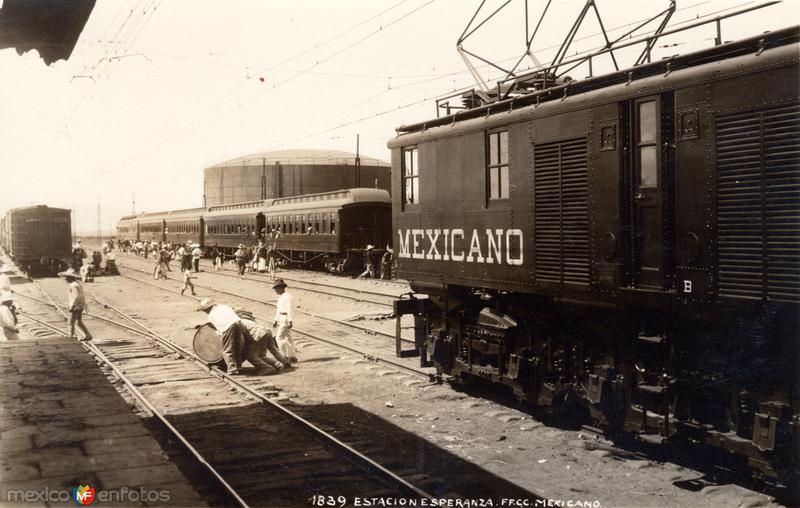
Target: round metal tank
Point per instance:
(290, 173)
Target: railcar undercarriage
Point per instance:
(725, 379)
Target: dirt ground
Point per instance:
(559, 464)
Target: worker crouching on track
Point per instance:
(236, 341)
(283, 320)
(77, 303)
(262, 341)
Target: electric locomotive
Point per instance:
(626, 246)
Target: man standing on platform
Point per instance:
(77, 303)
(283, 320)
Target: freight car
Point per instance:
(324, 230)
(626, 246)
(37, 238)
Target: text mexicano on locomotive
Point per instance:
(491, 246)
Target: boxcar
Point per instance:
(625, 246)
(38, 238)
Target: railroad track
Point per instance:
(260, 453)
(374, 354)
(364, 329)
(364, 296)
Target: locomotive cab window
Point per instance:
(410, 175)
(497, 177)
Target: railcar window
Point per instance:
(410, 175)
(648, 127)
(497, 167)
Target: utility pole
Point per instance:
(133, 203)
(358, 161)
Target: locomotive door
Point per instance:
(649, 177)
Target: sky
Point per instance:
(157, 90)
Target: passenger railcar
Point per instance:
(627, 246)
(328, 229)
(128, 228)
(181, 226)
(38, 238)
(228, 226)
(152, 226)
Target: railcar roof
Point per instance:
(33, 207)
(335, 199)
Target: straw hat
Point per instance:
(205, 304)
(370, 247)
(279, 284)
(5, 296)
(241, 246)
(70, 272)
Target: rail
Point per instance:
(352, 454)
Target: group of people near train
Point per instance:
(93, 266)
(244, 338)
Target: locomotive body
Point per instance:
(627, 246)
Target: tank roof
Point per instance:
(313, 157)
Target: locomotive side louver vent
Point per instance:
(758, 204)
(561, 208)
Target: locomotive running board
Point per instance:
(418, 307)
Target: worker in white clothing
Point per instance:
(237, 344)
(283, 320)
(8, 320)
(77, 303)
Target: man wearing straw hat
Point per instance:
(283, 320)
(77, 303)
